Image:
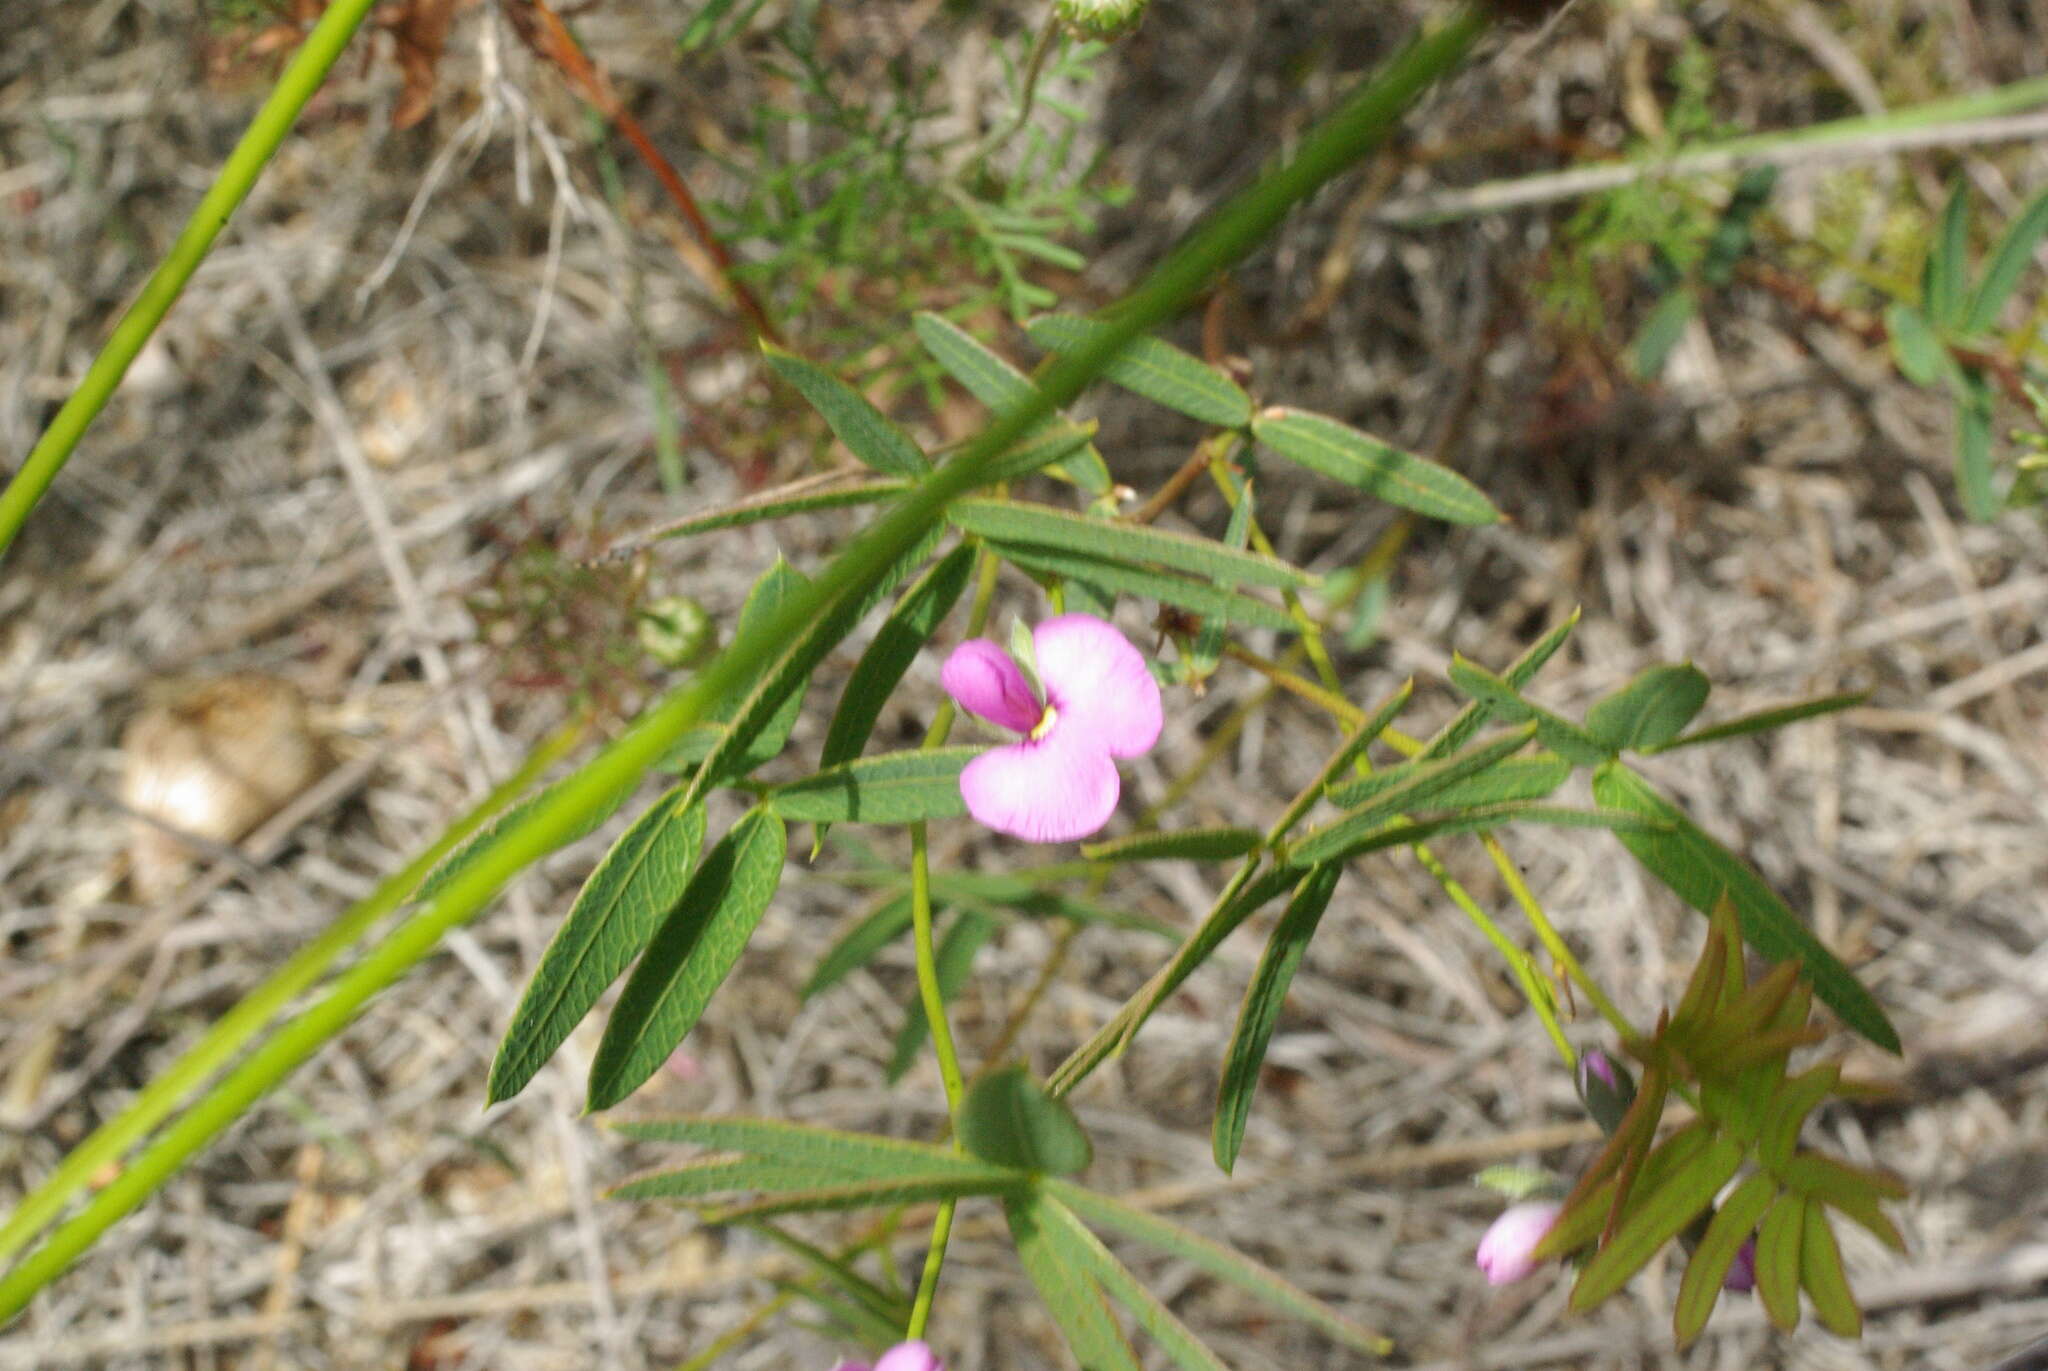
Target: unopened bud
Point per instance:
(1606, 1087)
(1507, 1252)
(1106, 20)
(675, 631)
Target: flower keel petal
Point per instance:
(983, 680)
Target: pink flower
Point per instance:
(1059, 782)
(904, 1356)
(1504, 1253)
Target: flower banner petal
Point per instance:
(1099, 684)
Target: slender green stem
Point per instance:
(934, 1262)
(1534, 988)
(928, 967)
(1354, 128)
(1547, 934)
(232, 1032)
(295, 86)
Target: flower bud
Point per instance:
(1741, 1277)
(1506, 1252)
(904, 1356)
(1102, 19)
(1606, 1087)
(675, 631)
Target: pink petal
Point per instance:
(1099, 684)
(1051, 790)
(1506, 1252)
(983, 680)
(909, 1356)
(853, 1366)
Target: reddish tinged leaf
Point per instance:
(1733, 1223)
(419, 30)
(1820, 1270)
(1777, 1260)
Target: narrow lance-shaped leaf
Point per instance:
(769, 505)
(1223, 1263)
(1777, 1260)
(923, 606)
(873, 1195)
(1156, 370)
(1200, 596)
(689, 956)
(1764, 720)
(1660, 333)
(1072, 1237)
(890, 788)
(1260, 1013)
(1363, 462)
(1976, 478)
(1208, 647)
(1186, 844)
(1558, 733)
(480, 842)
(1719, 1246)
(2008, 261)
(627, 895)
(999, 385)
(1948, 262)
(1655, 1217)
(954, 959)
(1921, 356)
(867, 1311)
(774, 589)
(1820, 1272)
(1013, 521)
(1008, 1119)
(1409, 785)
(867, 433)
(1520, 672)
(875, 930)
(832, 1151)
(703, 1177)
(1701, 872)
(1653, 708)
(1067, 1289)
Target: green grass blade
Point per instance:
(1381, 470)
(2009, 260)
(625, 899)
(690, 956)
(1157, 370)
(1260, 1012)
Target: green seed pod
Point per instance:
(1106, 20)
(675, 631)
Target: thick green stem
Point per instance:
(301, 77)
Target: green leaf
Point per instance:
(998, 385)
(1260, 1012)
(1778, 1136)
(1838, 1182)
(1325, 845)
(1013, 521)
(1820, 1271)
(1072, 1238)
(2008, 261)
(1558, 733)
(1653, 708)
(873, 1195)
(1655, 1216)
(1362, 461)
(868, 1312)
(859, 944)
(1069, 1293)
(955, 959)
(1711, 1261)
(910, 625)
(626, 897)
(1777, 1260)
(715, 1176)
(1976, 478)
(1948, 262)
(1701, 871)
(484, 839)
(1921, 356)
(1223, 1263)
(1186, 844)
(690, 956)
(1156, 370)
(1409, 785)
(1763, 720)
(1053, 443)
(777, 504)
(892, 788)
(774, 589)
(867, 434)
(1199, 596)
(864, 1156)
(1733, 232)
(1660, 333)
(1008, 1119)
(1207, 652)
(1520, 672)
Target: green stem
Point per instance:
(1547, 934)
(234, 1029)
(301, 77)
(1360, 123)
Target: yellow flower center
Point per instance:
(1045, 723)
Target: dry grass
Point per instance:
(315, 478)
